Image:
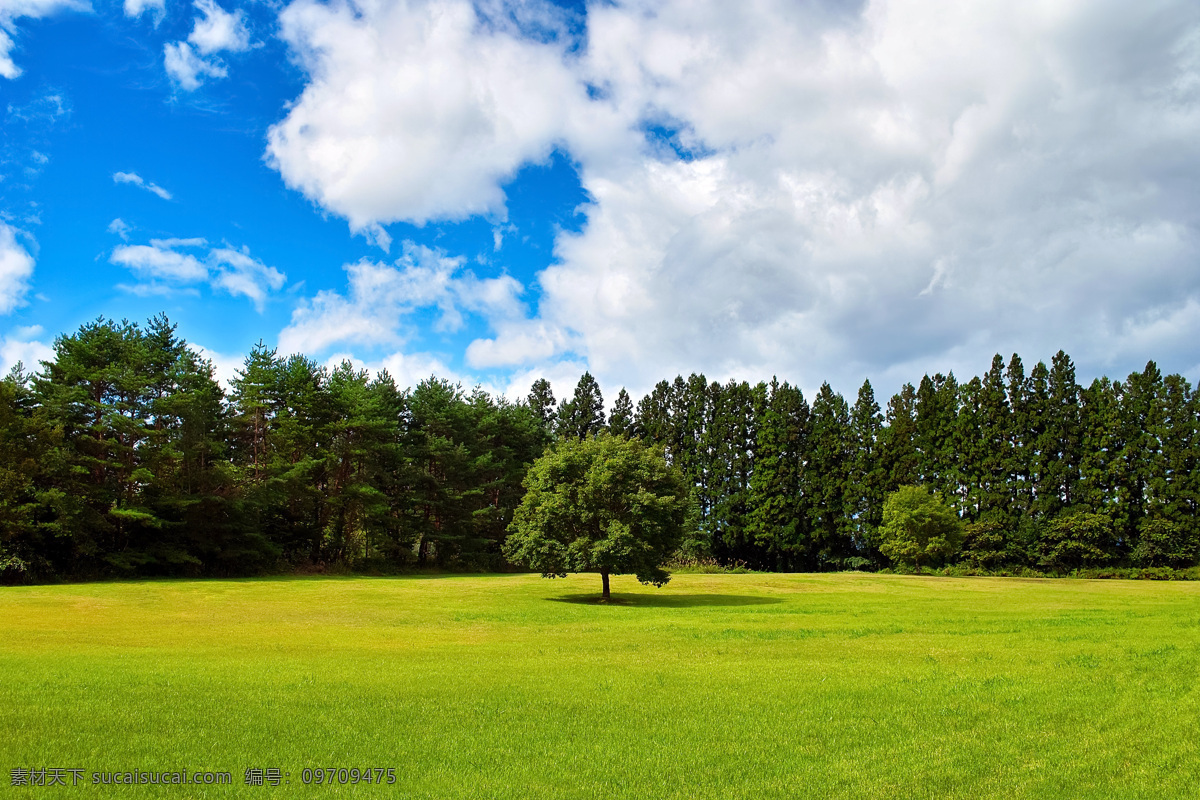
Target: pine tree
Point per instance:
(867, 479)
(620, 420)
(583, 414)
(993, 449)
(827, 488)
(1021, 435)
(934, 424)
(776, 520)
(737, 410)
(254, 403)
(898, 450)
(1060, 451)
(541, 401)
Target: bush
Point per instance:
(1077, 541)
(1162, 543)
(918, 528)
(985, 545)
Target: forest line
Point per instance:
(124, 456)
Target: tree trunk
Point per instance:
(604, 578)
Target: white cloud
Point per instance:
(863, 188)
(416, 110)
(157, 9)
(188, 70)
(137, 180)
(12, 10)
(165, 267)
(189, 63)
(379, 297)
(16, 268)
(120, 227)
(159, 261)
(239, 274)
(21, 345)
(219, 30)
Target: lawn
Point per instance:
(716, 686)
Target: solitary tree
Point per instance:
(602, 504)
(918, 528)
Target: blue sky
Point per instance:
(505, 189)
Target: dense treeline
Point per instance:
(124, 456)
(1045, 474)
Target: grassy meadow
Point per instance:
(716, 686)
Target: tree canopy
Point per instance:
(123, 455)
(918, 528)
(603, 504)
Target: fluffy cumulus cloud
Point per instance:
(377, 307)
(169, 265)
(216, 30)
(13, 10)
(823, 190)
(417, 110)
(16, 268)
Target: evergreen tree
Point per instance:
(25, 554)
(898, 450)
(935, 414)
(737, 410)
(254, 401)
(541, 402)
(777, 521)
(583, 414)
(828, 490)
(1060, 450)
(867, 478)
(620, 420)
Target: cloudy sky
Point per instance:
(500, 190)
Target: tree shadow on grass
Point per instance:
(668, 600)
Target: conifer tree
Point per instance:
(737, 411)
(620, 420)
(899, 451)
(934, 416)
(1060, 451)
(777, 521)
(867, 479)
(1020, 439)
(829, 495)
(994, 449)
(541, 401)
(583, 414)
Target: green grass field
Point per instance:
(716, 686)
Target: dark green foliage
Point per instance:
(602, 504)
(123, 456)
(986, 545)
(541, 402)
(898, 446)
(868, 477)
(620, 420)
(1077, 541)
(777, 520)
(1162, 543)
(583, 414)
(829, 495)
(23, 550)
(919, 529)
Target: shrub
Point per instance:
(918, 528)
